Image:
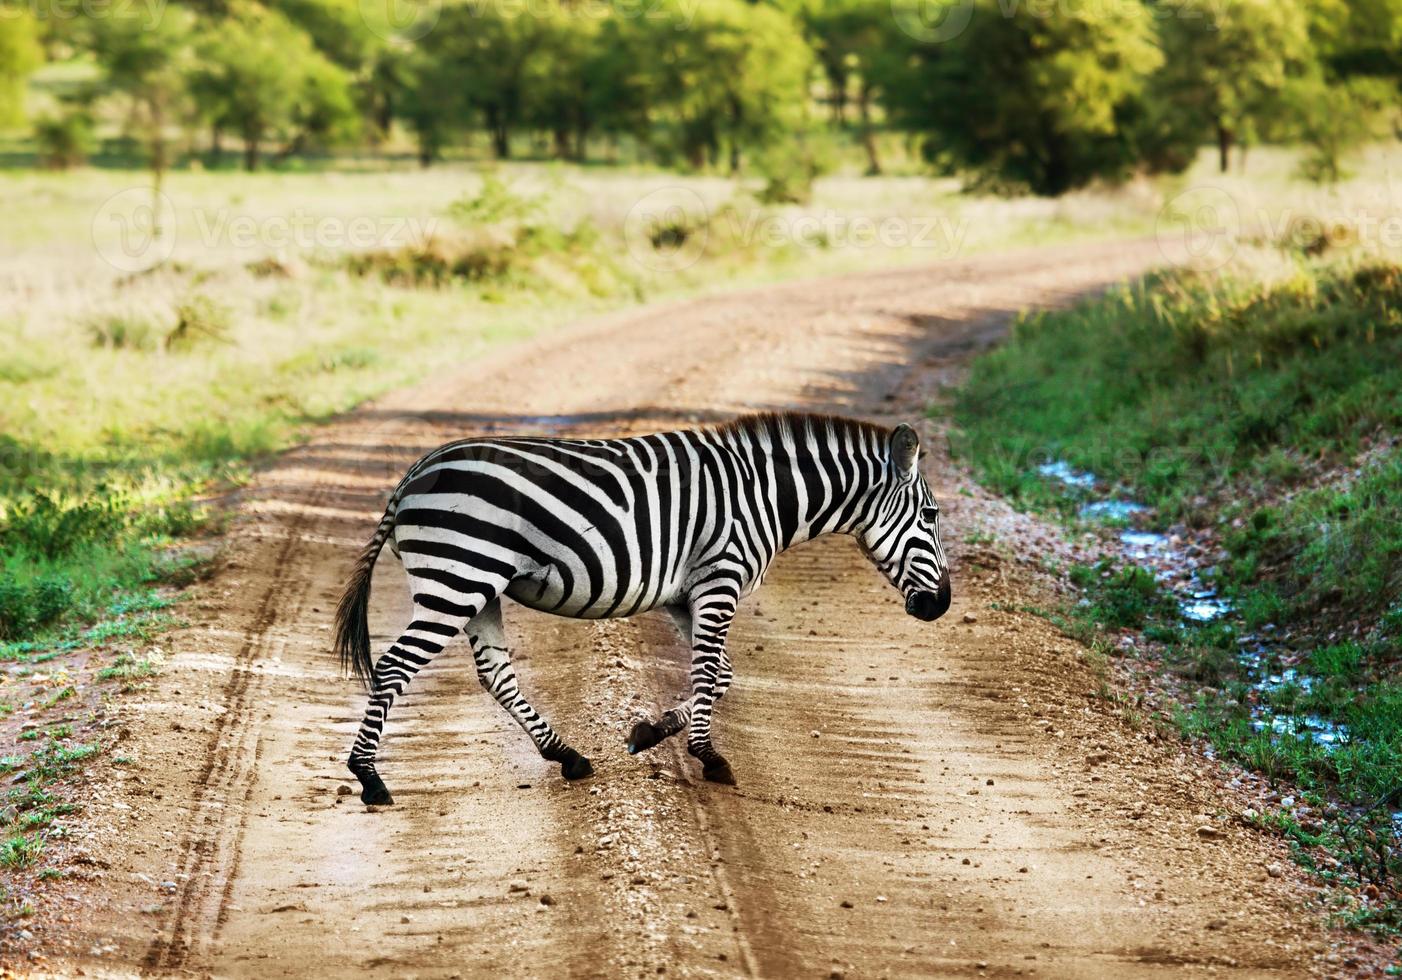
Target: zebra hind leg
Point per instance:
(498, 678)
(424, 637)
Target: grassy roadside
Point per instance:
(1254, 413)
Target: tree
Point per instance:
(725, 76)
(259, 75)
(1330, 120)
(482, 50)
(1027, 95)
(429, 101)
(146, 64)
(1227, 64)
(20, 54)
(849, 40)
(555, 76)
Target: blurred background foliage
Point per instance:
(1016, 96)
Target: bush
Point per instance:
(26, 606)
(123, 331)
(65, 140)
(789, 168)
(47, 527)
(199, 318)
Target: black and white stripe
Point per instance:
(593, 528)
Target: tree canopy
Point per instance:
(1044, 97)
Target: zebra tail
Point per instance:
(352, 626)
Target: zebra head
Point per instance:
(901, 532)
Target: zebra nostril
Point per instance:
(929, 605)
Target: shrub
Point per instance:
(198, 318)
(26, 606)
(122, 331)
(65, 140)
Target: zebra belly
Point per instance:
(544, 590)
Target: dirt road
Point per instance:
(914, 800)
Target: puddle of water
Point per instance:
(1111, 510)
(1139, 545)
(1204, 609)
(1286, 678)
(1059, 469)
(1312, 727)
(1177, 569)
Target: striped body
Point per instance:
(688, 521)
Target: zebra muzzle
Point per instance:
(929, 606)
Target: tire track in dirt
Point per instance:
(878, 847)
(225, 761)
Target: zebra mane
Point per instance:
(766, 428)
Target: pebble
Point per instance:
(846, 904)
(1274, 870)
(344, 790)
(406, 919)
(546, 900)
(970, 618)
(519, 886)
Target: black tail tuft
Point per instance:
(352, 627)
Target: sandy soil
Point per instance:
(947, 799)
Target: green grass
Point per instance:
(20, 851)
(1260, 409)
(1188, 386)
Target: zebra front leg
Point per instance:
(498, 678)
(422, 639)
(645, 733)
(708, 618)
(711, 615)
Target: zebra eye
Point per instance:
(929, 514)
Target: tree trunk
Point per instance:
(1224, 147)
(158, 165)
(250, 152)
(737, 119)
(837, 84)
(562, 143)
(216, 145)
(868, 137)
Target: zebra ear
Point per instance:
(905, 449)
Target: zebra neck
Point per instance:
(809, 495)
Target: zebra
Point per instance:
(688, 521)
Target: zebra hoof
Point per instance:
(643, 737)
(576, 767)
(719, 773)
(374, 792)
